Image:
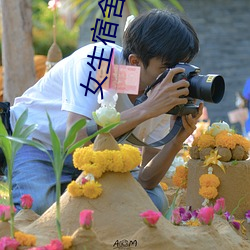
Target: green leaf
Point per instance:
(20, 123)
(35, 144)
(5, 144)
(23, 134)
(71, 136)
(56, 147)
(172, 207)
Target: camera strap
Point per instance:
(131, 138)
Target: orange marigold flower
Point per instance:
(242, 141)
(225, 139)
(180, 177)
(208, 192)
(209, 180)
(206, 141)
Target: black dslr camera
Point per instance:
(209, 88)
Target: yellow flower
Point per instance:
(213, 158)
(131, 157)
(164, 186)
(180, 177)
(98, 162)
(92, 189)
(208, 192)
(206, 141)
(94, 169)
(67, 242)
(27, 240)
(209, 180)
(193, 223)
(83, 156)
(75, 189)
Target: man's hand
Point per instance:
(188, 125)
(167, 94)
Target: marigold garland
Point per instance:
(226, 139)
(180, 177)
(206, 141)
(98, 162)
(209, 180)
(208, 186)
(95, 163)
(208, 192)
(24, 239)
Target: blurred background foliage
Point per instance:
(86, 8)
(42, 19)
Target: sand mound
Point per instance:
(234, 185)
(117, 223)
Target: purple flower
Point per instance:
(247, 214)
(236, 224)
(228, 216)
(195, 214)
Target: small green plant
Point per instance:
(9, 149)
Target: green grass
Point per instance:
(4, 193)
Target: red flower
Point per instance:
(8, 243)
(206, 215)
(5, 212)
(150, 217)
(86, 218)
(219, 206)
(26, 201)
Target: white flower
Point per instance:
(105, 116)
(217, 127)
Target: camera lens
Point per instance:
(209, 88)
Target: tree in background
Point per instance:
(17, 47)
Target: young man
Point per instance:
(154, 41)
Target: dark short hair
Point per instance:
(161, 34)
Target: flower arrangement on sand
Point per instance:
(215, 147)
(93, 160)
(219, 142)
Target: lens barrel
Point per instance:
(209, 88)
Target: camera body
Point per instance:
(209, 88)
